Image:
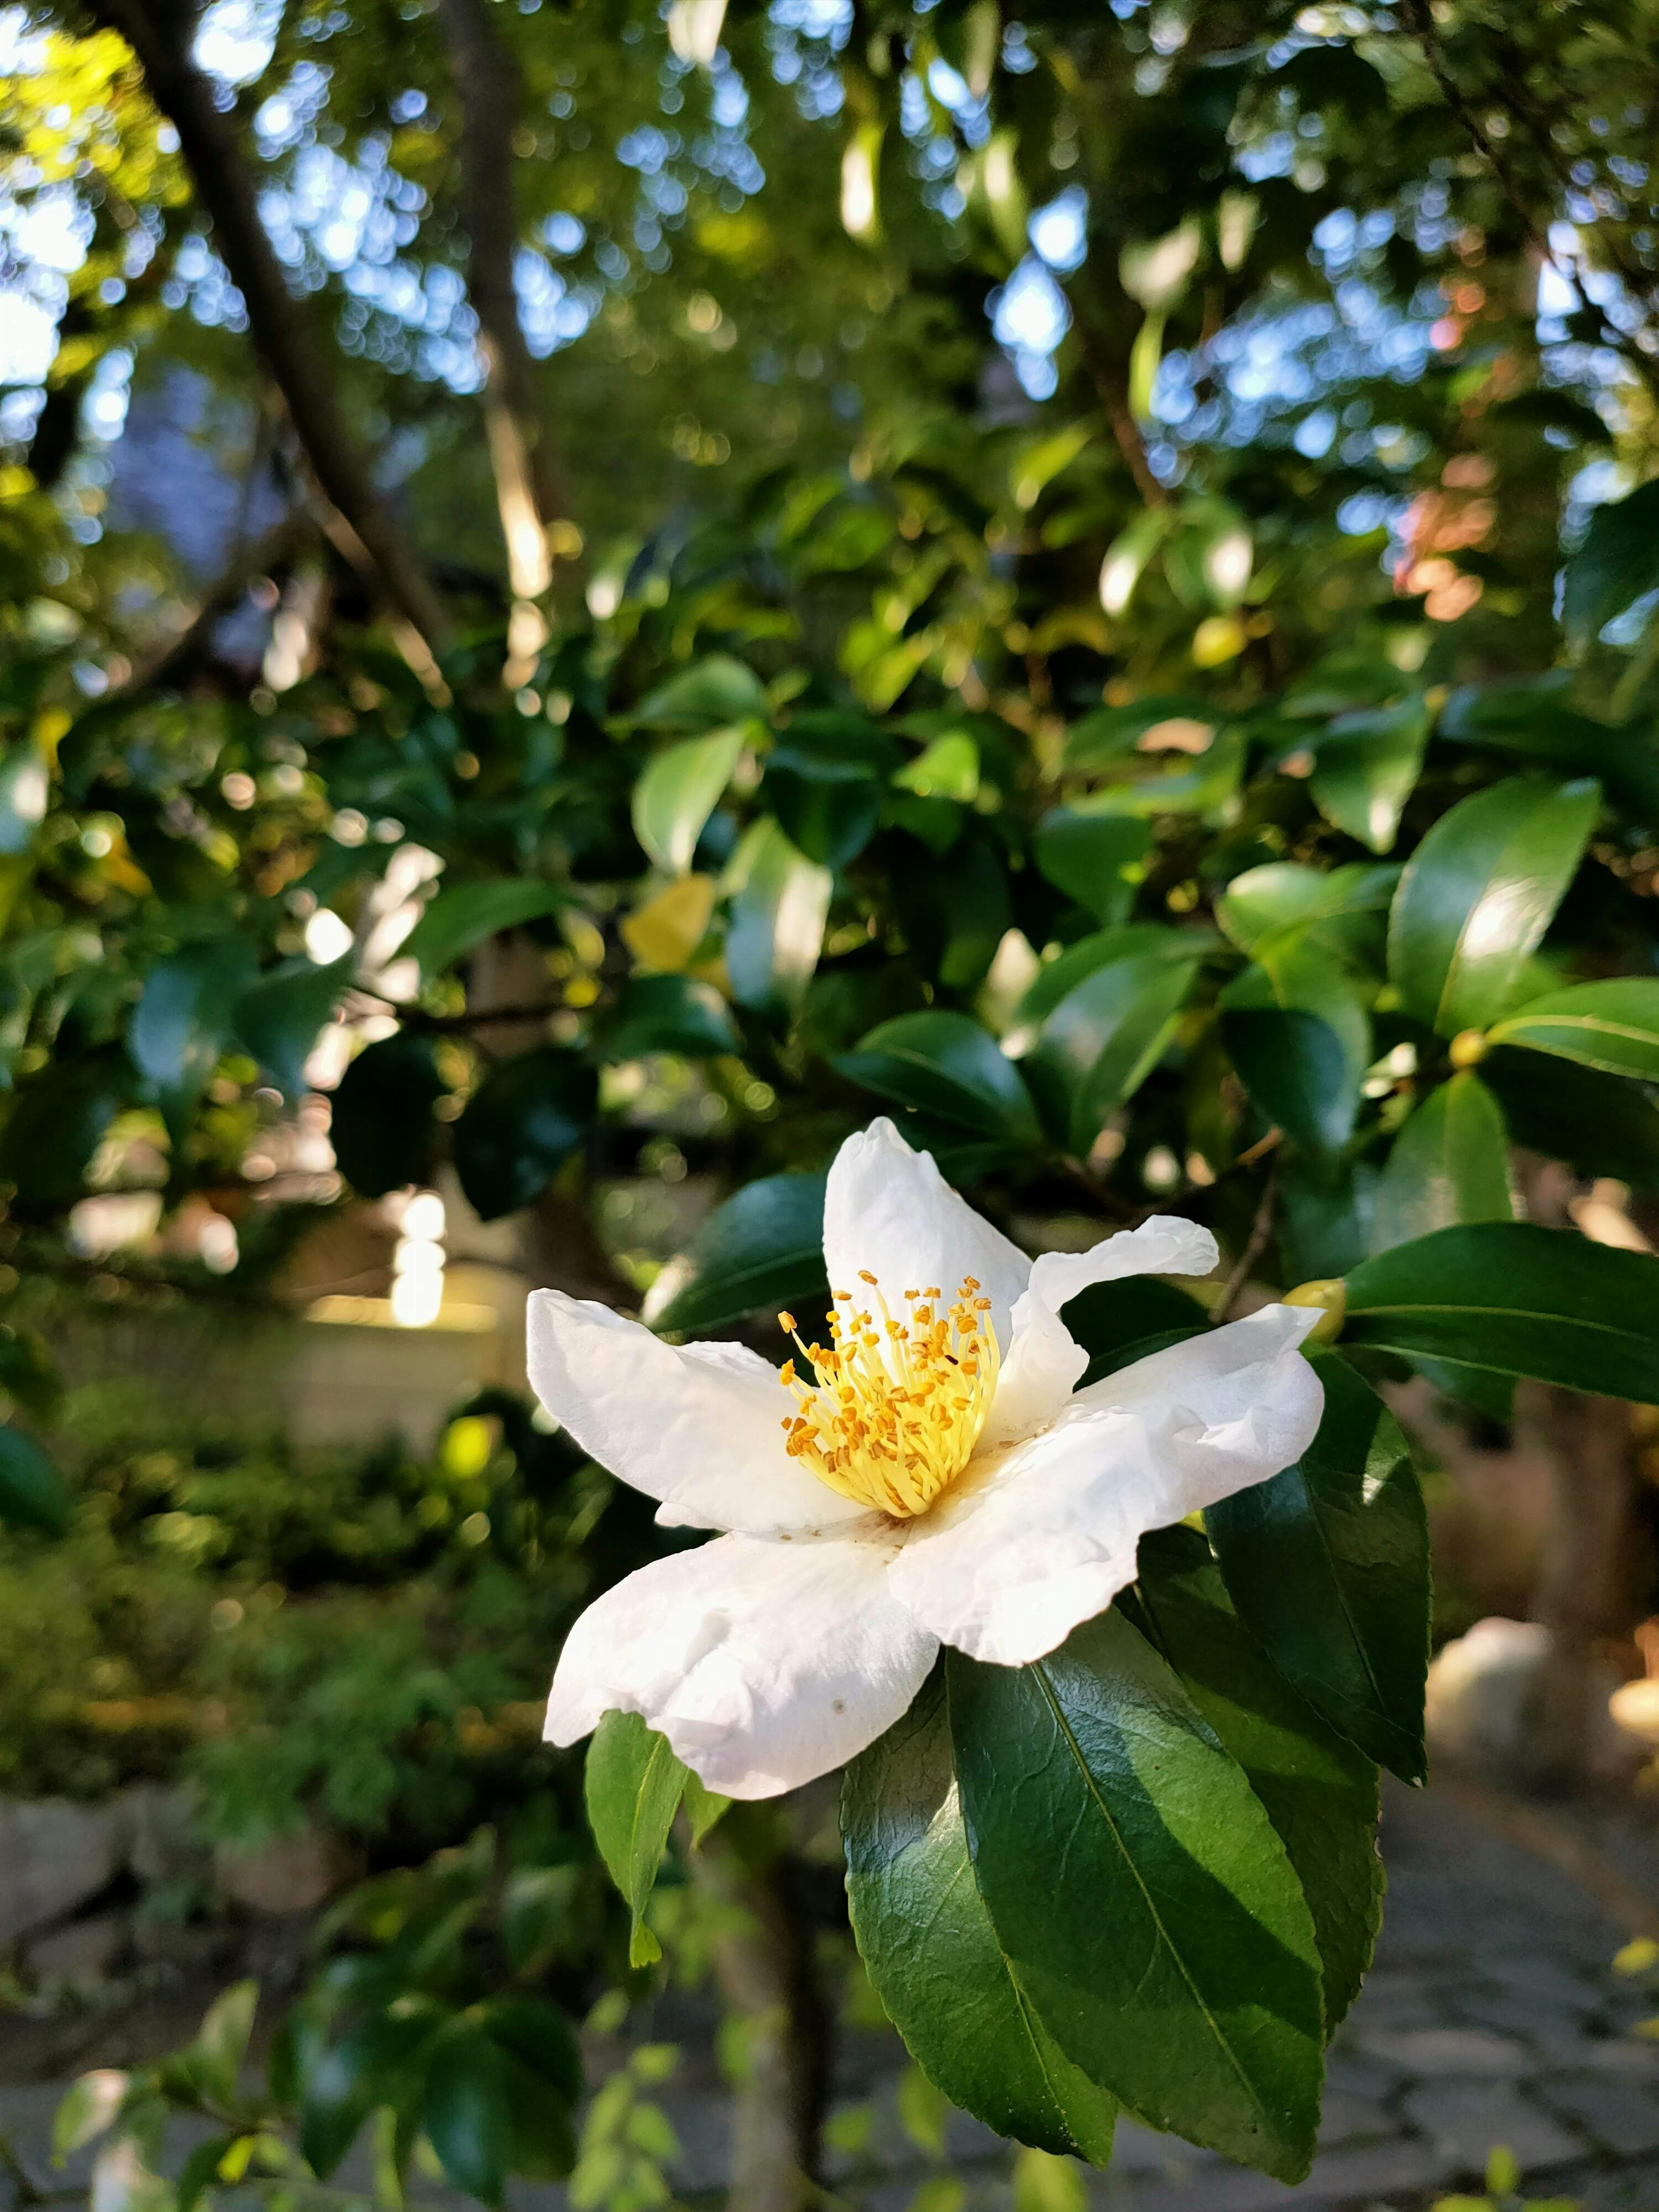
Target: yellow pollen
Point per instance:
(896, 1413)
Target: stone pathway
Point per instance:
(1491, 2016)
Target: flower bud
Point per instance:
(1330, 1294)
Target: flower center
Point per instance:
(899, 1404)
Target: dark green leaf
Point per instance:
(927, 1940)
(1296, 1073)
(1327, 1563)
(1320, 1790)
(1104, 1037)
(1117, 1323)
(1523, 1300)
(277, 1019)
(1617, 563)
(182, 1024)
(342, 2082)
(1135, 1882)
(33, 1494)
(1096, 858)
(200, 2171)
(383, 1129)
(1612, 1025)
(781, 902)
(539, 2036)
(1110, 733)
(28, 1371)
(717, 691)
(466, 2114)
(676, 793)
(460, 918)
(1598, 1123)
(633, 1788)
(670, 1013)
(1365, 765)
(1283, 897)
(944, 1064)
(763, 1248)
(1533, 718)
(520, 1126)
(830, 808)
(1449, 1163)
(1479, 894)
(1325, 1206)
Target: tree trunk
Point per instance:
(160, 32)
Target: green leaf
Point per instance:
(88, 2107)
(462, 916)
(539, 2036)
(1532, 717)
(1325, 1203)
(1110, 732)
(520, 1126)
(763, 1248)
(705, 1809)
(1479, 894)
(55, 1126)
(944, 1064)
(1612, 1025)
(217, 2055)
(1135, 1882)
(1299, 1034)
(1521, 1299)
(1152, 942)
(383, 1129)
(1117, 1323)
(670, 1013)
(830, 808)
(278, 1018)
(33, 1494)
(1617, 563)
(1320, 1790)
(717, 691)
(467, 2116)
(1366, 767)
(633, 1788)
(925, 1934)
(182, 1024)
(1104, 1039)
(948, 768)
(1327, 1563)
(342, 2082)
(1449, 1163)
(1283, 897)
(1598, 1123)
(201, 2170)
(679, 790)
(780, 904)
(1098, 859)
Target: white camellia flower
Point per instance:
(939, 1481)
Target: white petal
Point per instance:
(764, 1662)
(697, 1425)
(1044, 1360)
(1045, 1537)
(889, 1211)
(1234, 1405)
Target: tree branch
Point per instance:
(160, 33)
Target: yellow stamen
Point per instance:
(897, 1410)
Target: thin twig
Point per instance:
(1260, 1229)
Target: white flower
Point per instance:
(941, 1482)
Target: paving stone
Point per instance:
(1139, 2149)
(1539, 1974)
(1341, 2177)
(1353, 2074)
(1436, 2052)
(1620, 2117)
(1465, 2119)
(1347, 2119)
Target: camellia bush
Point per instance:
(1203, 833)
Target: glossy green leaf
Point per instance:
(1179, 784)
(1102, 1040)
(1096, 858)
(1449, 1163)
(780, 901)
(1327, 1563)
(830, 808)
(1321, 1790)
(1152, 942)
(57, 1124)
(1518, 1298)
(925, 1936)
(466, 2115)
(717, 691)
(383, 1130)
(1532, 718)
(1110, 732)
(944, 1064)
(541, 2037)
(679, 790)
(521, 1125)
(182, 1024)
(278, 1018)
(1297, 1031)
(1365, 766)
(947, 768)
(1326, 1201)
(1598, 1123)
(33, 1493)
(633, 1788)
(1612, 1025)
(1137, 1886)
(220, 2050)
(1479, 894)
(1117, 1323)
(671, 1014)
(342, 2082)
(1282, 898)
(760, 1251)
(200, 2171)
(1617, 563)
(459, 920)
